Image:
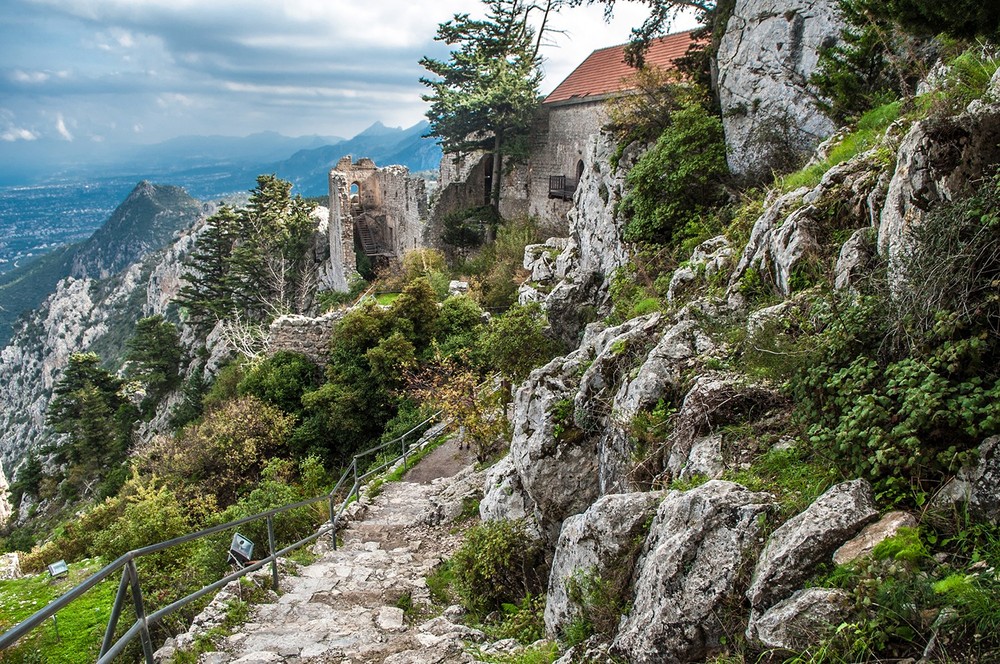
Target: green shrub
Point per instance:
(677, 180)
(516, 342)
(281, 380)
(498, 564)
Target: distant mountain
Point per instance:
(146, 221)
(185, 152)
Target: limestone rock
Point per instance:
(10, 566)
(872, 535)
(977, 486)
(710, 258)
(805, 540)
(6, 509)
(691, 562)
(504, 496)
(576, 281)
(801, 620)
(767, 54)
(716, 398)
(855, 257)
(936, 161)
(556, 459)
(598, 543)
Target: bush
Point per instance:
(498, 564)
(281, 380)
(677, 180)
(226, 452)
(515, 342)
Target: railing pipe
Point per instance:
(140, 611)
(270, 550)
(116, 612)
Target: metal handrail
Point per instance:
(111, 648)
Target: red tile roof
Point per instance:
(604, 71)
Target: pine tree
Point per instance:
(154, 357)
(270, 270)
(486, 93)
(87, 406)
(206, 293)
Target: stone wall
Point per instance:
(392, 198)
(302, 334)
(558, 147)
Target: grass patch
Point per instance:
(794, 479)
(76, 635)
(386, 299)
(544, 653)
(868, 131)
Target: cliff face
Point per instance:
(94, 312)
(769, 51)
(582, 479)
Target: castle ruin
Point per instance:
(381, 211)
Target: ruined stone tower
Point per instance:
(382, 211)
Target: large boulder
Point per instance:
(802, 619)
(768, 52)
(600, 543)
(553, 449)
(937, 161)
(504, 496)
(795, 549)
(697, 546)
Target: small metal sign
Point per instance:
(58, 568)
(240, 549)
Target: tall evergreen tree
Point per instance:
(154, 357)
(87, 406)
(206, 292)
(486, 93)
(270, 269)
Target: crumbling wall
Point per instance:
(388, 197)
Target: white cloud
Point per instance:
(18, 134)
(61, 128)
(22, 76)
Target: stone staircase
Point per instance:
(346, 606)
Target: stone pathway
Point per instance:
(343, 607)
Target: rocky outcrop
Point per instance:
(6, 509)
(793, 550)
(601, 543)
(698, 546)
(572, 282)
(504, 496)
(708, 263)
(765, 59)
(803, 619)
(553, 447)
(937, 160)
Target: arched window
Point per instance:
(579, 170)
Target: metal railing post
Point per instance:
(140, 612)
(402, 444)
(354, 464)
(271, 550)
(116, 612)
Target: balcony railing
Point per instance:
(562, 187)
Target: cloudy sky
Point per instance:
(89, 74)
